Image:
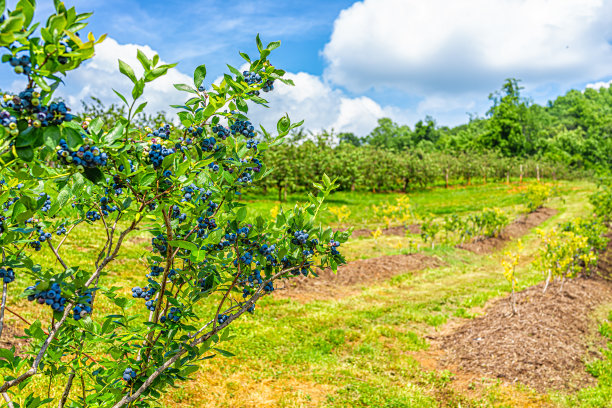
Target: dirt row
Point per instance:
(545, 346)
(353, 275)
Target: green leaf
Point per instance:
(242, 105)
(283, 125)
(138, 89)
(198, 75)
(126, 70)
(114, 134)
(94, 175)
(259, 43)
(273, 45)
(234, 70)
(144, 61)
(224, 353)
(25, 154)
(184, 244)
(121, 97)
(241, 214)
(51, 136)
(140, 108)
(95, 126)
(184, 88)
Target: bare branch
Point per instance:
(57, 255)
(4, 291)
(9, 403)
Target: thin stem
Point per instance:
(4, 291)
(57, 255)
(9, 403)
(66, 390)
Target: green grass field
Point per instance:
(363, 350)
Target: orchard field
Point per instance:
(201, 260)
(366, 338)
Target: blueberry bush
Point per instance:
(210, 260)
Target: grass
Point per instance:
(365, 350)
(438, 201)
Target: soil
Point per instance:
(544, 346)
(353, 275)
(515, 230)
(397, 230)
(11, 337)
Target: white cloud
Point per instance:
(444, 47)
(319, 105)
(600, 84)
(100, 75)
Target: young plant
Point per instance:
(509, 262)
(536, 195)
(210, 259)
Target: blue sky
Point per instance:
(354, 62)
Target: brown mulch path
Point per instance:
(544, 346)
(350, 277)
(516, 229)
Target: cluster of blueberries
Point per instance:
(156, 270)
(221, 131)
(21, 65)
(254, 78)
(9, 121)
(51, 297)
(42, 237)
(129, 375)
(191, 191)
(106, 209)
(118, 183)
(163, 132)
(160, 244)
(7, 274)
(174, 315)
(243, 127)
(208, 144)
(82, 309)
(213, 166)
(61, 230)
(93, 216)
(87, 155)
(334, 245)
(177, 214)
(47, 204)
(205, 224)
(157, 153)
(28, 104)
(145, 293)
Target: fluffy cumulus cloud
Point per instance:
(599, 84)
(100, 75)
(453, 47)
(319, 105)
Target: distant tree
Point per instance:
(389, 134)
(507, 121)
(351, 138)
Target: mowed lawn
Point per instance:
(356, 351)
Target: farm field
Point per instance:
(377, 338)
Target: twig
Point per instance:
(66, 390)
(9, 403)
(57, 255)
(4, 291)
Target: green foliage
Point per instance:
(211, 259)
(602, 202)
(537, 195)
